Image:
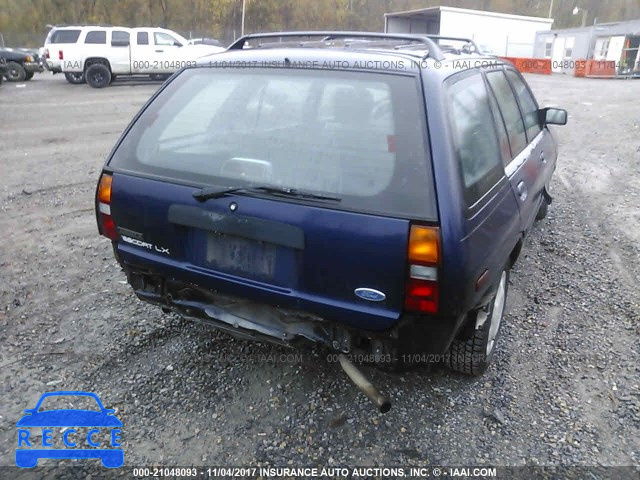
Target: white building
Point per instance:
(497, 33)
(615, 41)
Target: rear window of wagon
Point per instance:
(358, 136)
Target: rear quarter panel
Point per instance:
(471, 242)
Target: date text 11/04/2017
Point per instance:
(315, 472)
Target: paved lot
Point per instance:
(564, 388)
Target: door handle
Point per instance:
(159, 51)
(522, 191)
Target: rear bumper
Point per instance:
(111, 458)
(33, 67)
(54, 69)
(252, 320)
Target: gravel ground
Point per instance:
(564, 387)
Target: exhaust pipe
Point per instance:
(381, 402)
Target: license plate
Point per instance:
(241, 256)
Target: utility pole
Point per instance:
(244, 6)
(550, 9)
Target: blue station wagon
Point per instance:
(365, 191)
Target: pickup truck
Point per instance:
(21, 64)
(102, 53)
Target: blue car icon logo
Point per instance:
(67, 427)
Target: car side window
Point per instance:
(528, 104)
(165, 39)
(474, 136)
(120, 36)
(501, 128)
(65, 36)
(142, 38)
(96, 36)
(510, 111)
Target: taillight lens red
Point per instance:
(421, 296)
(46, 53)
(106, 224)
(423, 256)
(60, 55)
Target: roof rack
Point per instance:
(432, 42)
(432, 46)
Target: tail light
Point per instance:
(423, 256)
(60, 55)
(46, 53)
(106, 225)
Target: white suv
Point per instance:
(58, 39)
(99, 54)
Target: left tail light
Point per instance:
(46, 53)
(106, 225)
(60, 55)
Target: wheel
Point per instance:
(544, 208)
(113, 78)
(472, 356)
(15, 72)
(26, 459)
(98, 75)
(113, 459)
(28, 76)
(74, 78)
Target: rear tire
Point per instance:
(473, 356)
(15, 72)
(28, 76)
(98, 75)
(75, 78)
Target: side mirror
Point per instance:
(177, 44)
(553, 116)
(119, 43)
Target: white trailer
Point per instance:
(497, 33)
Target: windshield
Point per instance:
(75, 402)
(356, 136)
(175, 36)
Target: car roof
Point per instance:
(76, 27)
(70, 393)
(353, 51)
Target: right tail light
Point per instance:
(423, 257)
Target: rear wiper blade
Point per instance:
(214, 192)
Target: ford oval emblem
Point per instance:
(370, 294)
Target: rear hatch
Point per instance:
(290, 187)
(56, 42)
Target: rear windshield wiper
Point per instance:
(214, 192)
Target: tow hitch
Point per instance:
(381, 402)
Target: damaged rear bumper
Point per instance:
(250, 320)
